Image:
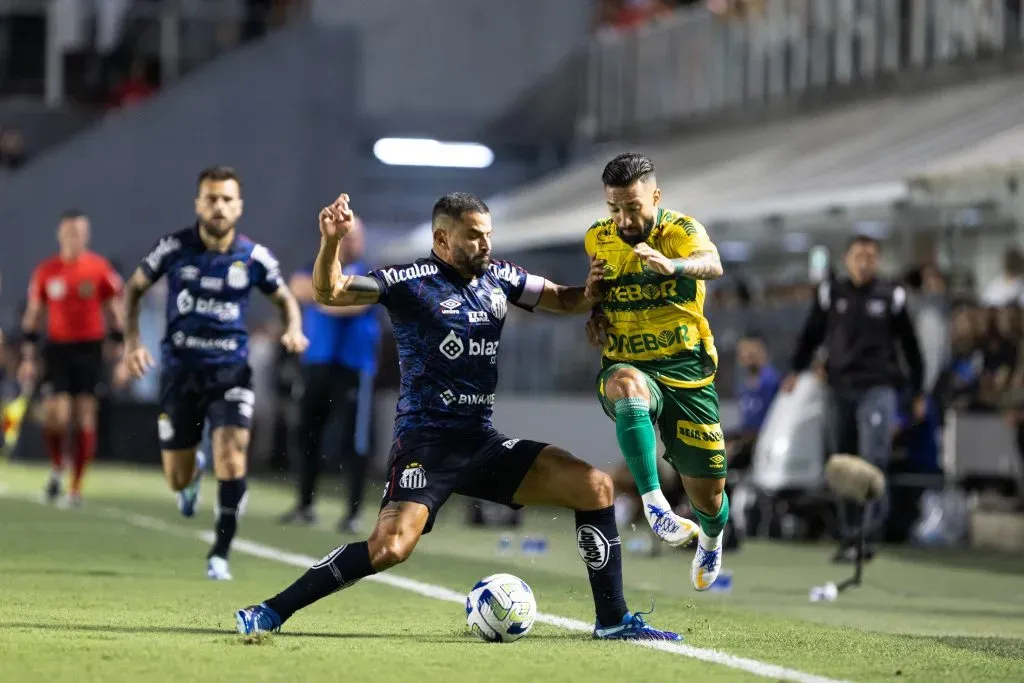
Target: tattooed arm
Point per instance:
(332, 288)
(704, 264)
(701, 265)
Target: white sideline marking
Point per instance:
(266, 552)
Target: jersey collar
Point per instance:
(448, 271)
(199, 236)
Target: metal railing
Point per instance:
(696, 64)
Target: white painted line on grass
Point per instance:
(266, 552)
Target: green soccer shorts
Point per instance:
(688, 421)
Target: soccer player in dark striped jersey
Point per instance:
(448, 311)
(204, 357)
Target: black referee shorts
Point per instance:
(428, 467)
(74, 368)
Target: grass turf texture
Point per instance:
(85, 594)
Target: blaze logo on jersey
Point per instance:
(499, 304)
(451, 346)
(413, 477)
(238, 275)
(225, 311)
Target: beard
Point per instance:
(474, 265)
(634, 239)
(216, 229)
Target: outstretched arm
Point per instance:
(573, 300)
(332, 288)
(565, 300)
(301, 285)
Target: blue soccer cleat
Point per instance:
(188, 497)
(633, 627)
(257, 619)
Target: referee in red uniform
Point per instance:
(74, 288)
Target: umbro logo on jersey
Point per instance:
(450, 307)
(188, 273)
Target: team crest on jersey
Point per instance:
(86, 289)
(238, 276)
(499, 304)
(165, 428)
(413, 477)
(56, 288)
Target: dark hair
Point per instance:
(754, 335)
(218, 174)
(626, 169)
(71, 214)
(865, 240)
(454, 204)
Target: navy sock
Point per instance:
(601, 549)
(229, 497)
(341, 568)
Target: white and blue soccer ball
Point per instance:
(500, 608)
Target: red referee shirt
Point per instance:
(73, 293)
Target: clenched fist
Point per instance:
(337, 219)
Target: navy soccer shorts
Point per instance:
(190, 397)
(428, 467)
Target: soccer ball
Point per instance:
(500, 608)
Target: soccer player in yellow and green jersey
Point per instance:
(659, 358)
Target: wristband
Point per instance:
(116, 336)
(30, 336)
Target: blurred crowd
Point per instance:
(618, 15)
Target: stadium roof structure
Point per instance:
(854, 161)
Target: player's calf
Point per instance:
(229, 464)
(710, 504)
(636, 401)
(399, 527)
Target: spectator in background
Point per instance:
(930, 311)
(135, 87)
(960, 382)
(338, 374)
(627, 15)
(735, 9)
(756, 387)
(862, 321)
(1007, 287)
(12, 148)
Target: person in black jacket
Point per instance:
(862, 322)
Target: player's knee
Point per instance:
(178, 479)
(705, 494)
(599, 490)
(390, 549)
(626, 384)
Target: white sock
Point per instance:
(656, 498)
(709, 542)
